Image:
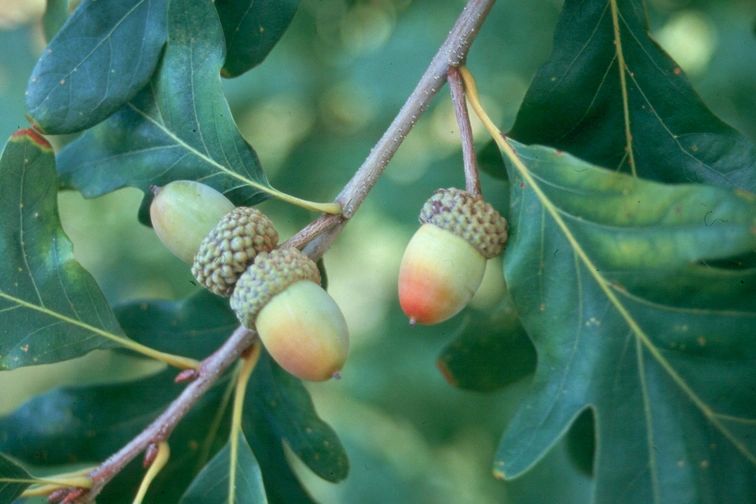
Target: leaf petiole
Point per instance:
(48, 485)
(248, 365)
(163, 454)
(332, 208)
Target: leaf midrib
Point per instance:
(623, 85)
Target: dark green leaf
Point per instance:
(282, 486)
(606, 272)
(576, 100)
(104, 54)
(178, 127)
(581, 441)
(84, 424)
(489, 161)
(489, 351)
(193, 327)
(277, 398)
(211, 486)
(50, 308)
(55, 15)
(252, 28)
(9, 471)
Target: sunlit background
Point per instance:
(312, 111)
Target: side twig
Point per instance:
(314, 238)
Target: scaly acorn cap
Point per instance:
(231, 246)
(469, 217)
(271, 273)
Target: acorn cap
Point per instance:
(271, 273)
(231, 246)
(469, 217)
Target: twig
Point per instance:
(313, 229)
(314, 238)
(457, 88)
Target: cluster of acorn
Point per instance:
(276, 291)
(233, 252)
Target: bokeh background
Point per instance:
(312, 111)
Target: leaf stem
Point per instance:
(163, 454)
(457, 88)
(53, 483)
(249, 361)
(331, 208)
(170, 359)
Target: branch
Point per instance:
(314, 238)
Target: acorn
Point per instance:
(298, 322)
(444, 262)
(183, 212)
(203, 228)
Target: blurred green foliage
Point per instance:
(312, 111)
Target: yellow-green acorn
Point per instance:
(297, 320)
(183, 212)
(443, 263)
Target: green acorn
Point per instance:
(298, 322)
(183, 212)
